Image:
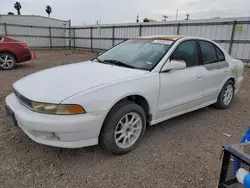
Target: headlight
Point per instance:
(60, 109)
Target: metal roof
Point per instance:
(23, 16)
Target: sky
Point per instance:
(116, 11)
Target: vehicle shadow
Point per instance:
(23, 65)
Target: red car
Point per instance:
(12, 52)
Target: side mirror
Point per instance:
(174, 65)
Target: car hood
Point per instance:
(56, 84)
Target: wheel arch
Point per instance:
(220, 103)
(138, 99)
(226, 80)
(1, 52)
(232, 79)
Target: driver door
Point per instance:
(181, 90)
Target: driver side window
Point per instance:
(187, 51)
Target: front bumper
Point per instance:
(66, 131)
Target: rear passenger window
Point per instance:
(220, 54)
(187, 51)
(208, 52)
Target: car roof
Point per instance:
(162, 37)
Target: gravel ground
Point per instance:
(181, 152)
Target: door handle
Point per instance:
(199, 76)
(226, 70)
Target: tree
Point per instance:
(152, 20)
(187, 16)
(164, 18)
(18, 7)
(10, 13)
(48, 10)
(137, 19)
(148, 20)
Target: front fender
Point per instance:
(105, 97)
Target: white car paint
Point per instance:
(98, 87)
(64, 81)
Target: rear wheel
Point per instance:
(7, 61)
(226, 96)
(123, 128)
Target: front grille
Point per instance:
(23, 100)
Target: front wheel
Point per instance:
(123, 128)
(226, 95)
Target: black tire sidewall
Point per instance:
(107, 139)
(14, 59)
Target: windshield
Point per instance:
(137, 53)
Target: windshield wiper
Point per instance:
(119, 63)
(100, 61)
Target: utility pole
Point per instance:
(177, 11)
(98, 22)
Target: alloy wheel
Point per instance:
(128, 130)
(228, 94)
(6, 61)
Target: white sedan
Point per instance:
(110, 99)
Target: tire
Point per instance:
(115, 122)
(7, 61)
(222, 103)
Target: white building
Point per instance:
(48, 32)
(34, 20)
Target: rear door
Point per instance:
(216, 69)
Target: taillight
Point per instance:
(22, 45)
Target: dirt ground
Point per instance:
(181, 152)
